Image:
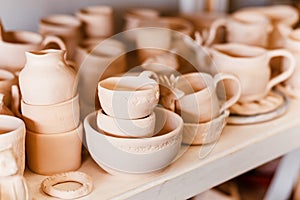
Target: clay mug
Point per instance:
(98, 59)
(12, 136)
(201, 101)
(292, 44)
(67, 27)
(98, 21)
(7, 79)
(133, 17)
(129, 97)
(251, 65)
(54, 80)
(127, 128)
(16, 43)
(243, 27)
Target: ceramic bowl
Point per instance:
(137, 128)
(136, 155)
(49, 154)
(50, 119)
(204, 133)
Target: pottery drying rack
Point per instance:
(240, 149)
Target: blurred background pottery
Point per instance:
(67, 27)
(136, 155)
(7, 79)
(54, 80)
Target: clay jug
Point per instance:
(46, 78)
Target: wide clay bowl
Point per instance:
(204, 133)
(136, 155)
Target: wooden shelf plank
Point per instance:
(198, 168)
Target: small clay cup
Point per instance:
(51, 119)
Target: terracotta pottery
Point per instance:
(7, 79)
(67, 27)
(278, 14)
(201, 101)
(251, 63)
(96, 60)
(12, 136)
(133, 18)
(48, 154)
(243, 27)
(46, 78)
(51, 119)
(12, 186)
(98, 21)
(129, 97)
(16, 43)
(129, 128)
(3, 109)
(136, 155)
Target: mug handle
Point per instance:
(228, 103)
(213, 30)
(53, 39)
(287, 72)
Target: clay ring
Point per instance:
(79, 177)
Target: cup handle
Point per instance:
(287, 72)
(150, 74)
(15, 93)
(228, 103)
(213, 30)
(53, 39)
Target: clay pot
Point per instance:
(14, 187)
(67, 27)
(98, 21)
(54, 80)
(51, 119)
(12, 136)
(48, 154)
(7, 79)
(136, 155)
(129, 97)
(250, 28)
(202, 102)
(129, 128)
(133, 18)
(248, 63)
(16, 43)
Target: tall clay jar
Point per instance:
(46, 78)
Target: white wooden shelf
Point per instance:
(198, 168)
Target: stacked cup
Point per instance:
(50, 109)
(127, 105)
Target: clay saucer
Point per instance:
(269, 103)
(204, 133)
(289, 91)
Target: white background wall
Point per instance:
(25, 14)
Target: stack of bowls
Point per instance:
(139, 137)
(50, 110)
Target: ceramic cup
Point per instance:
(129, 128)
(51, 119)
(7, 79)
(133, 18)
(12, 136)
(16, 43)
(48, 154)
(136, 155)
(67, 27)
(251, 65)
(243, 27)
(97, 21)
(129, 97)
(202, 102)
